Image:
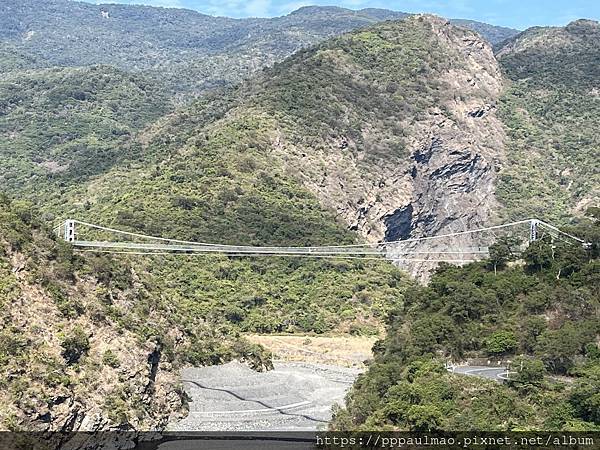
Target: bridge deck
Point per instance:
(230, 249)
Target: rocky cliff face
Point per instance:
(427, 163)
(118, 380)
(456, 155)
(66, 363)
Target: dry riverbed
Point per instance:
(311, 374)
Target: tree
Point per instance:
(557, 348)
(501, 342)
(585, 397)
(424, 418)
(589, 231)
(531, 328)
(568, 259)
(529, 372)
(502, 252)
(538, 255)
(75, 345)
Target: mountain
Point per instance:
(186, 50)
(525, 314)
(390, 131)
(551, 109)
(372, 124)
(86, 147)
(492, 33)
(400, 129)
(393, 131)
(376, 132)
(541, 317)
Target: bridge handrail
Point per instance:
(375, 244)
(379, 249)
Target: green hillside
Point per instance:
(217, 162)
(544, 316)
(11, 58)
(233, 167)
(221, 186)
(399, 129)
(551, 109)
(215, 177)
(208, 173)
(60, 127)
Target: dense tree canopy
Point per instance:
(541, 311)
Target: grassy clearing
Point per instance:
(344, 350)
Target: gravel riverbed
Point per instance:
(295, 396)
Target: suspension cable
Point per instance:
(382, 244)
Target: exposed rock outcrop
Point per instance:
(65, 364)
(443, 180)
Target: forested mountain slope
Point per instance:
(390, 131)
(551, 111)
(274, 161)
(373, 124)
(400, 129)
(60, 127)
(186, 50)
(87, 342)
(11, 58)
(542, 314)
(193, 176)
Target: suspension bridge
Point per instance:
(456, 247)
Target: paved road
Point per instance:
(493, 373)
(295, 396)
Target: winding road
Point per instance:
(492, 373)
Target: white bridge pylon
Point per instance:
(447, 247)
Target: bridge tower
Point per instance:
(70, 231)
(533, 230)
